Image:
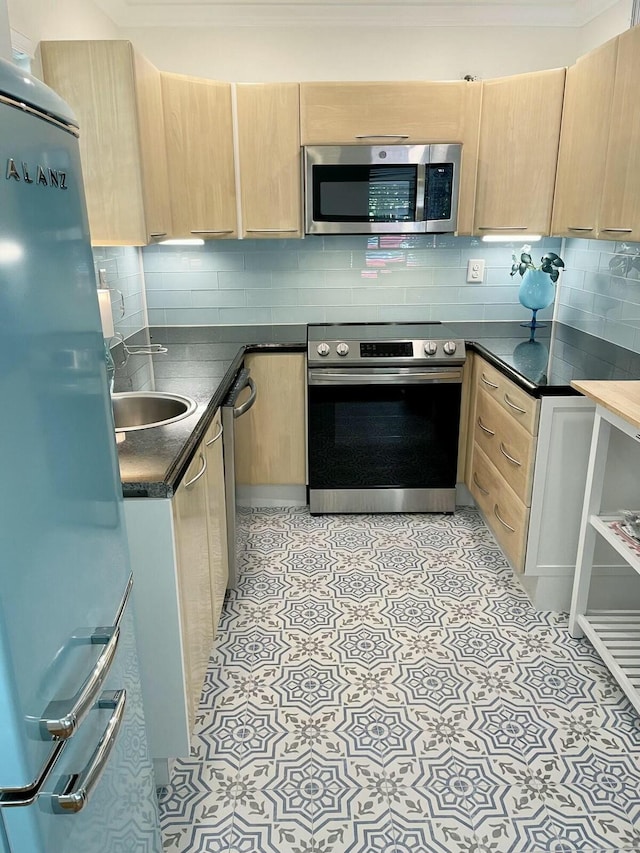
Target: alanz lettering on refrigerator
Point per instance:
(44, 175)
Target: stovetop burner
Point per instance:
(351, 344)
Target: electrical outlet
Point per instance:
(475, 271)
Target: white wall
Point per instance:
(63, 19)
(310, 53)
(247, 54)
(605, 26)
(5, 35)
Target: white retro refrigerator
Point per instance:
(75, 775)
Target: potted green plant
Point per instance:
(538, 282)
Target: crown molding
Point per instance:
(352, 13)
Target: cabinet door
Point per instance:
(519, 133)
(199, 136)
(270, 439)
(395, 113)
(583, 142)
(115, 95)
(194, 581)
(216, 517)
(269, 155)
(620, 210)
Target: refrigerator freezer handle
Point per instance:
(62, 717)
(75, 799)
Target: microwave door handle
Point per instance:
(420, 191)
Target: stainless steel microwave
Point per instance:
(382, 189)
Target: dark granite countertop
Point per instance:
(546, 365)
(202, 361)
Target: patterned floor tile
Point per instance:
(381, 684)
(507, 729)
(378, 733)
(310, 612)
(366, 646)
(310, 686)
(548, 829)
(378, 682)
(462, 786)
(436, 685)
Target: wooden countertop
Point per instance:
(621, 397)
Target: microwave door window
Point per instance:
(364, 193)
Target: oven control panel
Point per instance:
(390, 352)
(386, 349)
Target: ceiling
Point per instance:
(361, 13)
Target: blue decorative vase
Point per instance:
(536, 292)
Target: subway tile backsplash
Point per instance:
(333, 279)
(125, 278)
(362, 278)
(600, 291)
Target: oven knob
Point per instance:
(323, 349)
(342, 349)
(449, 347)
(430, 348)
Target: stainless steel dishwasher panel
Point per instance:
(230, 413)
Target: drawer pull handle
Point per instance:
(501, 520)
(618, 230)
(486, 382)
(513, 405)
(510, 458)
(573, 228)
(475, 480)
(484, 428)
(502, 227)
(199, 474)
(215, 437)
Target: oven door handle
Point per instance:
(321, 377)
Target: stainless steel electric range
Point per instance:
(383, 417)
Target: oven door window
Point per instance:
(364, 193)
(373, 436)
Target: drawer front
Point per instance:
(504, 512)
(524, 409)
(508, 445)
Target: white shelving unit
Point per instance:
(615, 634)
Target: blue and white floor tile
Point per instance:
(380, 684)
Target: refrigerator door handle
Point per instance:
(76, 795)
(63, 716)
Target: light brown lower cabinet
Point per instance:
(193, 577)
(503, 510)
(270, 439)
(179, 560)
(501, 451)
(216, 517)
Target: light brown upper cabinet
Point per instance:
(115, 94)
(583, 142)
(269, 154)
(199, 138)
(396, 113)
(519, 134)
(620, 209)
